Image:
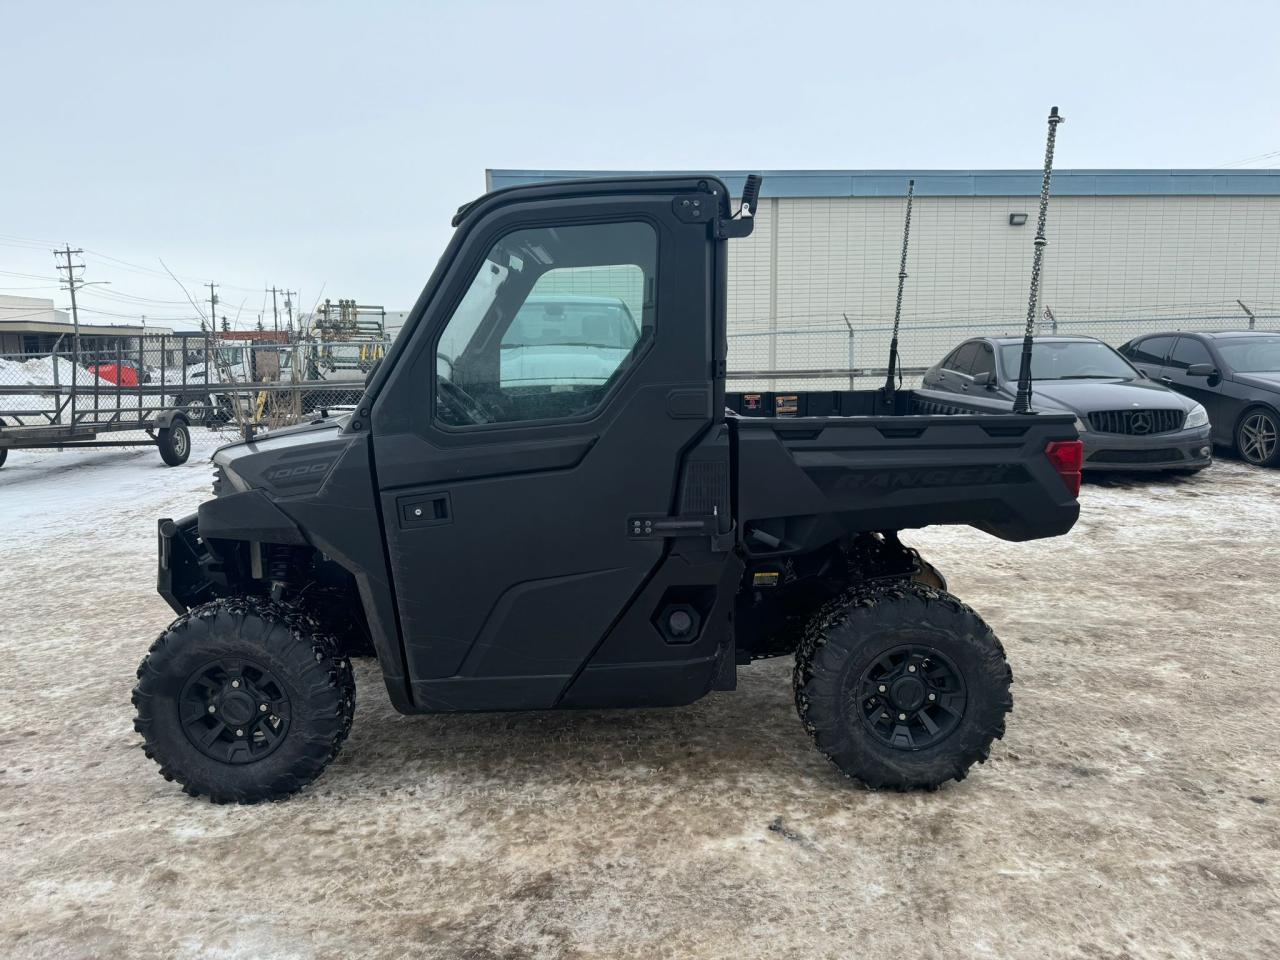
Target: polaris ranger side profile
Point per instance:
(632, 539)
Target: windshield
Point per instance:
(1067, 360)
(1260, 355)
(569, 323)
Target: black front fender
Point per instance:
(248, 516)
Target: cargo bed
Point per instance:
(811, 464)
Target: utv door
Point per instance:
(553, 374)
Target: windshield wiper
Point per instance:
(1091, 376)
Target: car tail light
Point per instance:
(1067, 457)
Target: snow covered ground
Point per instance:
(1131, 812)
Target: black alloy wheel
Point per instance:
(234, 710)
(912, 697)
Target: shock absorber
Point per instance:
(278, 571)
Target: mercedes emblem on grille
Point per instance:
(1140, 421)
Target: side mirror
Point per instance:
(983, 379)
(1201, 370)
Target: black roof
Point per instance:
(1228, 334)
(1064, 338)
(1210, 334)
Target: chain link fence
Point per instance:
(842, 353)
(121, 385)
(82, 386)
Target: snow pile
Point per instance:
(39, 372)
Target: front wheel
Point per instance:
(902, 686)
(243, 700)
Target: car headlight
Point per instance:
(1198, 417)
(1081, 426)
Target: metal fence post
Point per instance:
(57, 386)
(853, 380)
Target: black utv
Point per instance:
(581, 517)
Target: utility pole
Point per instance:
(213, 307)
(72, 282)
(275, 311)
(288, 305)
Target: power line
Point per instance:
(1259, 157)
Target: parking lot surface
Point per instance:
(1132, 811)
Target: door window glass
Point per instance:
(962, 360)
(551, 321)
(1188, 351)
(985, 361)
(1152, 350)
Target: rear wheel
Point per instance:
(174, 442)
(902, 686)
(4, 455)
(243, 700)
(1258, 437)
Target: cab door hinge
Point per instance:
(651, 527)
(704, 207)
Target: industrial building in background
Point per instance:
(812, 291)
(32, 325)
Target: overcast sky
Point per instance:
(325, 146)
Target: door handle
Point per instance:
(1166, 379)
(424, 510)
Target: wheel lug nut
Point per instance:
(902, 716)
(933, 696)
(911, 669)
(235, 683)
(212, 708)
(239, 733)
(262, 707)
(882, 688)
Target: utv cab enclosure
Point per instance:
(626, 539)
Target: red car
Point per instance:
(120, 373)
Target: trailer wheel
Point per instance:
(902, 686)
(174, 442)
(243, 700)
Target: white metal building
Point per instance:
(1130, 250)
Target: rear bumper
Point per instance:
(1184, 450)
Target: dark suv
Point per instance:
(1236, 375)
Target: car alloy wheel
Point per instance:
(1258, 437)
